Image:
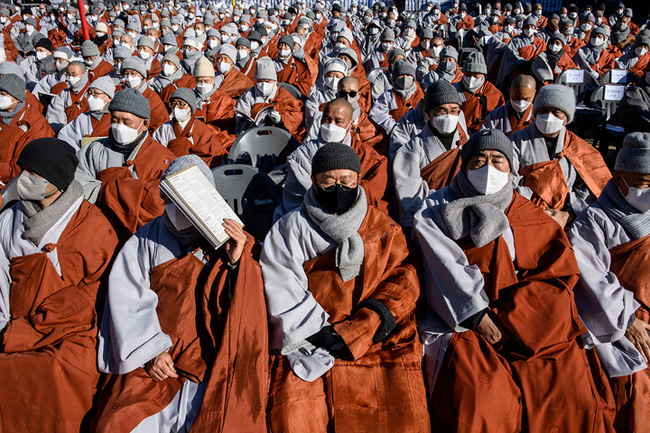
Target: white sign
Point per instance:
(575, 76)
(614, 92)
(619, 76)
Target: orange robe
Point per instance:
(289, 108)
(440, 172)
(235, 84)
(185, 81)
(103, 68)
(537, 378)
(49, 357)
(478, 105)
(382, 389)
(225, 343)
(211, 146)
(298, 74)
(159, 114)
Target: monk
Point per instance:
(521, 50)
(431, 158)
(185, 134)
(120, 173)
(501, 328)
(557, 170)
(55, 252)
(97, 120)
(292, 70)
(208, 374)
(517, 113)
(341, 299)
(610, 240)
(71, 101)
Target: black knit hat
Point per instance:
(52, 159)
(440, 92)
(487, 139)
(335, 156)
(44, 43)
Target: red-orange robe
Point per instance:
(49, 357)
(208, 144)
(478, 105)
(289, 108)
(298, 74)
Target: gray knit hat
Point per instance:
(146, 41)
(387, 35)
(403, 67)
(349, 52)
(169, 39)
(228, 50)
(487, 139)
(105, 84)
(426, 34)
(131, 101)
(265, 69)
(475, 63)
(286, 39)
(14, 85)
(11, 68)
(187, 95)
(449, 51)
(635, 154)
(121, 53)
(335, 156)
(136, 64)
(186, 161)
(556, 96)
(440, 92)
(89, 49)
(173, 58)
(243, 42)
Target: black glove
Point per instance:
(387, 320)
(330, 340)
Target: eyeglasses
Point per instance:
(443, 112)
(351, 94)
(95, 92)
(330, 187)
(178, 104)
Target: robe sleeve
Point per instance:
(130, 333)
(604, 305)
(379, 112)
(410, 188)
(86, 174)
(294, 313)
(72, 133)
(453, 287)
(55, 115)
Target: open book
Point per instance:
(200, 202)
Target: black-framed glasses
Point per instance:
(343, 187)
(351, 94)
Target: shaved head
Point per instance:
(523, 81)
(338, 106)
(348, 84)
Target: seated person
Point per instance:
(341, 297)
(517, 113)
(633, 111)
(134, 74)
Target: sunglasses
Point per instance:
(352, 94)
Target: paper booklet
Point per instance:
(200, 202)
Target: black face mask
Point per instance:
(336, 199)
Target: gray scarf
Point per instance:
(612, 202)
(37, 221)
(407, 92)
(591, 54)
(343, 229)
(7, 116)
(474, 214)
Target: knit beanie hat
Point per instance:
(440, 92)
(203, 68)
(254, 36)
(388, 35)
(556, 96)
(335, 156)
(350, 53)
(146, 41)
(487, 139)
(394, 53)
(426, 34)
(131, 101)
(52, 159)
(635, 154)
(64, 53)
(335, 65)
(44, 43)
(173, 58)
(169, 39)
(265, 69)
(105, 84)
(136, 64)
(8, 67)
(14, 85)
(89, 49)
(449, 51)
(228, 50)
(403, 67)
(475, 63)
(186, 161)
(187, 95)
(243, 42)
(121, 53)
(286, 39)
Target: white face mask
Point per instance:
(168, 70)
(264, 88)
(182, 114)
(425, 45)
(144, 55)
(29, 28)
(5, 102)
(73, 80)
(167, 48)
(487, 179)
(332, 82)
(404, 82)
(331, 133)
(204, 88)
(409, 32)
(123, 134)
(3, 20)
(640, 51)
(529, 31)
(178, 220)
(597, 42)
(199, 32)
(95, 103)
(585, 27)
(520, 105)
(40, 55)
(548, 124)
(61, 65)
(472, 84)
(638, 198)
(100, 34)
(174, 28)
(555, 48)
(213, 43)
(223, 67)
(386, 46)
(255, 45)
(242, 54)
(435, 51)
(284, 53)
(445, 124)
(509, 28)
(32, 188)
(133, 81)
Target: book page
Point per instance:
(200, 202)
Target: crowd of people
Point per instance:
(448, 254)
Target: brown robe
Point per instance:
(382, 390)
(478, 105)
(440, 172)
(290, 109)
(228, 340)
(537, 378)
(298, 74)
(49, 357)
(631, 264)
(211, 146)
(185, 81)
(235, 84)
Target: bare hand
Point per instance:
(560, 216)
(638, 335)
(235, 245)
(161, 367)
(489, 330)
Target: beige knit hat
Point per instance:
(203, 68)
